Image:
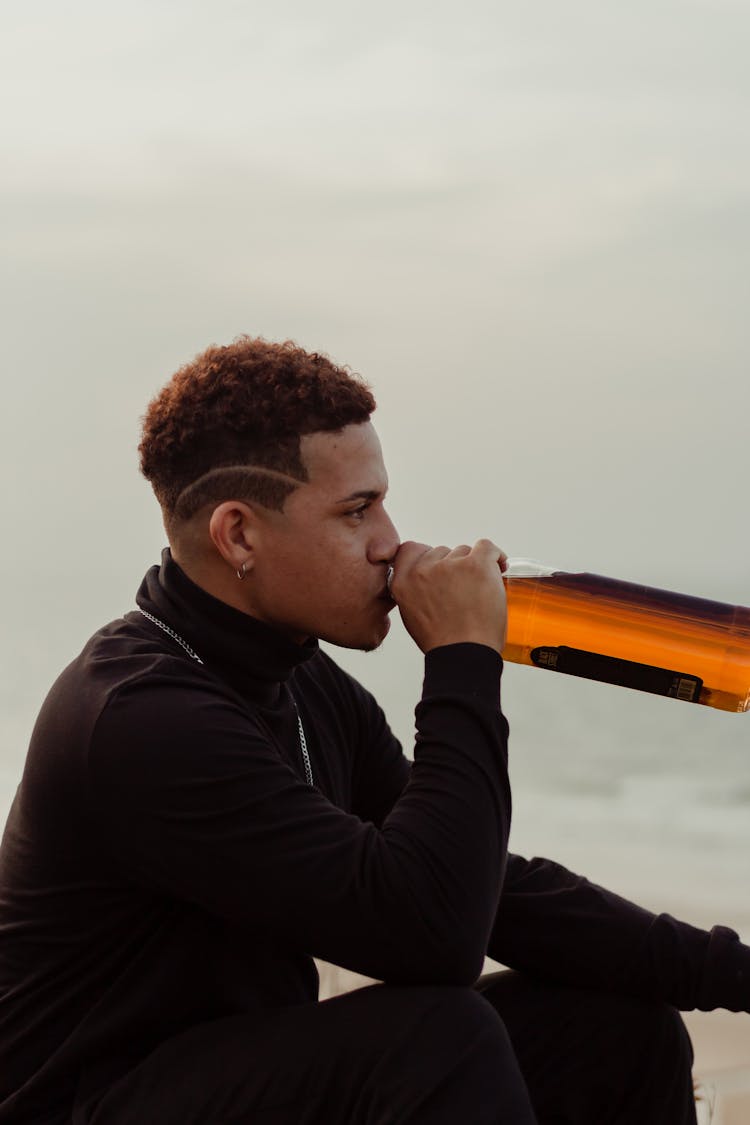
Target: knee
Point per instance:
(465, 1016)
(471, 1060)
(649, 1050)
(648, 1033)
(445, 1020)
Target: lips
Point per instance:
(386, 596)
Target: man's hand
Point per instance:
(446, 597)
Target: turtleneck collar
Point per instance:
(252, 656)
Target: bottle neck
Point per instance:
(528, 568)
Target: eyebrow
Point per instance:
(363, 494)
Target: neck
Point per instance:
(215, 578)
(252, 655)
(218, 579)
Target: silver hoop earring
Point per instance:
(242, 572)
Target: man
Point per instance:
(209, 802)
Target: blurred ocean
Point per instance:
(646, 795)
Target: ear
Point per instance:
(234, 528)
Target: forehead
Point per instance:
(346, 461)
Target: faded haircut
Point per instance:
(227, 426)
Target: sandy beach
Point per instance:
(722, 1062)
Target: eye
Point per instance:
(359, 513)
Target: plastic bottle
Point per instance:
(622, 633)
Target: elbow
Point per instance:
(461, 965)
(447, 963)
(449, 946)
(447, 973)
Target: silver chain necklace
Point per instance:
(194, 656)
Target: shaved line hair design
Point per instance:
(252, 483)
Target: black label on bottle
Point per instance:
(624, 673)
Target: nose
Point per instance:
(385, 542)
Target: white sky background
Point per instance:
(526, 224)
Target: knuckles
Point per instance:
(419, 560)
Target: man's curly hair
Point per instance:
(228, 425)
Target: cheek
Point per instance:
(322, 566)
(335, 580)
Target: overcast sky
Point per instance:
(526, 224)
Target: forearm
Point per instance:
(458, 794)
(553, 923)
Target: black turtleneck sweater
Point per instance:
(165, 861)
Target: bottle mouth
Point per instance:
(528, 568)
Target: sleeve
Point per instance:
(555, 924)
(194, 801)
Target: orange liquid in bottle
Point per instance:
(636, 636)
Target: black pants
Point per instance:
(513, 1051)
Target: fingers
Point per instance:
(408, 553)
(411, 553)
(409, 556)
(447, 595)
(486, 549)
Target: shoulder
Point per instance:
(125, 707)
(117, 658)
(174, 730)
(147, 693)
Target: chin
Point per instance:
(370, 647)
(363, 643)
(377, 641)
